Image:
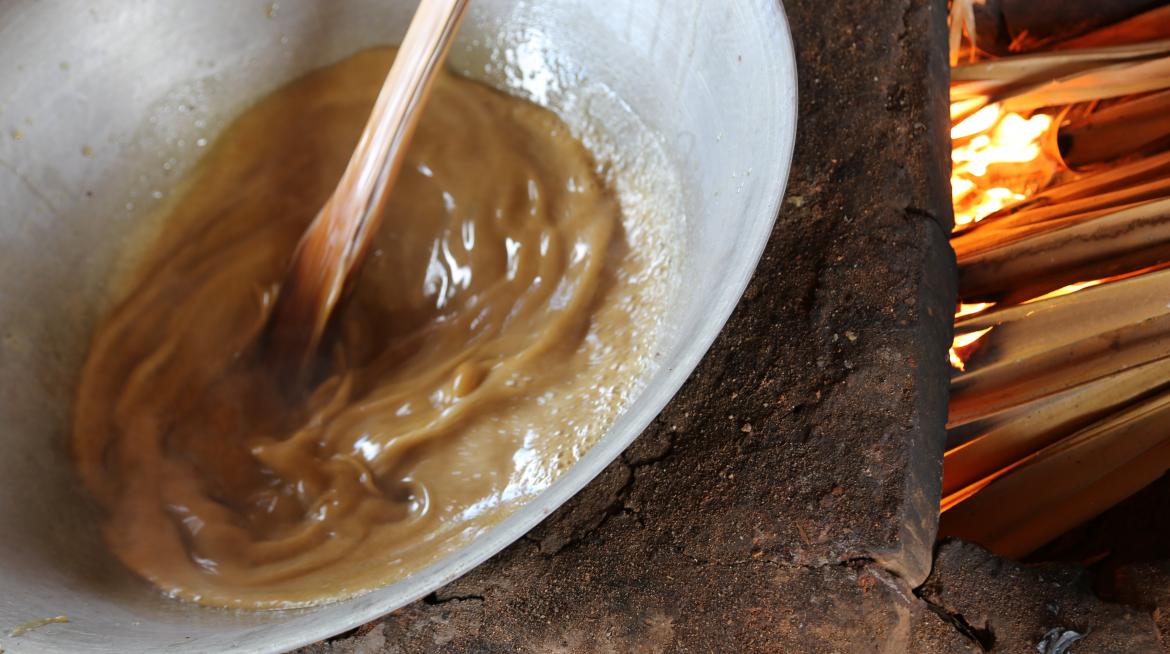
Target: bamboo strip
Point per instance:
(967, 244)
(1043, 219)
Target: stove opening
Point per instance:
(1060, 393)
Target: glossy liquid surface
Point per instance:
(504, 319)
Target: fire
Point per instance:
(977, 123)
(997, 160)
(962, 347)
(1057, 417)
(1065, 290)
(972, 309)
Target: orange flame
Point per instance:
(997, 161)
(962, 347)
(965, 310)
(1065, 290)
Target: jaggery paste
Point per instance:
(503, 319)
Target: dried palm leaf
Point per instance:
(1098, 83)
(1018, 509)
(998, 233)
(1123, 129)
(1150, 26)
(1037, 350)
(1054, 64)
(1002, 440)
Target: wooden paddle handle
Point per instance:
(334, 245)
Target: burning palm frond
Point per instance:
(1039, 349)
(1032, 259)
(1123, 129)
(1060, 402)
(1099, 83)
(1017, 509)
(981, 449)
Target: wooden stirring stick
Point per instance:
(332, 249)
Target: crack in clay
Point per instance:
(600, 516)
(984, 636)
(434, 599)
(617, 505)
(919, 212)
(657, 458)
(929, 218)
(857, 564)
